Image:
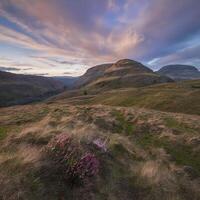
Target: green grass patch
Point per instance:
(183, 155)
(58, 113)
(3, 132)
(171, 122)
(147, 140)
(123, 125)
(28, 117)
(180, 153)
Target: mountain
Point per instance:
(124, 73)
(68, 81)
(91, 75)
(180, 72)
(20, 89)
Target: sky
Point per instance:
(66, 37)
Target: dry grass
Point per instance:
(140, 161)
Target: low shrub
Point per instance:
(87, 166)
(75, 164)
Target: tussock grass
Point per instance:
(123, 125)
(174, 124)
(144, 157)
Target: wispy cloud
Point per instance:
(88, 32)
(9, 69)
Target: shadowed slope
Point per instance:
(20, 89)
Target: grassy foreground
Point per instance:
(147, 154)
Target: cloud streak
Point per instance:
(87, 32)
(9, 69)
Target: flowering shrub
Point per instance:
(87, 166)
(75, 164)
(100, 144)
(59, 142)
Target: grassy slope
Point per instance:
(150, 154)
(183, 97)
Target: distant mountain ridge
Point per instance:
(123, 73)
(180, 72)
(21, 89)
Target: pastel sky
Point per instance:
(66, 37)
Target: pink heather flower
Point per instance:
(87, 166)
(66, 152)
(62, 140)
(100, 144)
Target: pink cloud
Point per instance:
(94, 31)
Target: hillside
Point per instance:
(20, 89)
(183, 97)
(91, 75)
(123, 73)
(139, 154)
(180, 72)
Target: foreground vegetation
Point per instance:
(106, 152)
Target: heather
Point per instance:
(75, 164)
